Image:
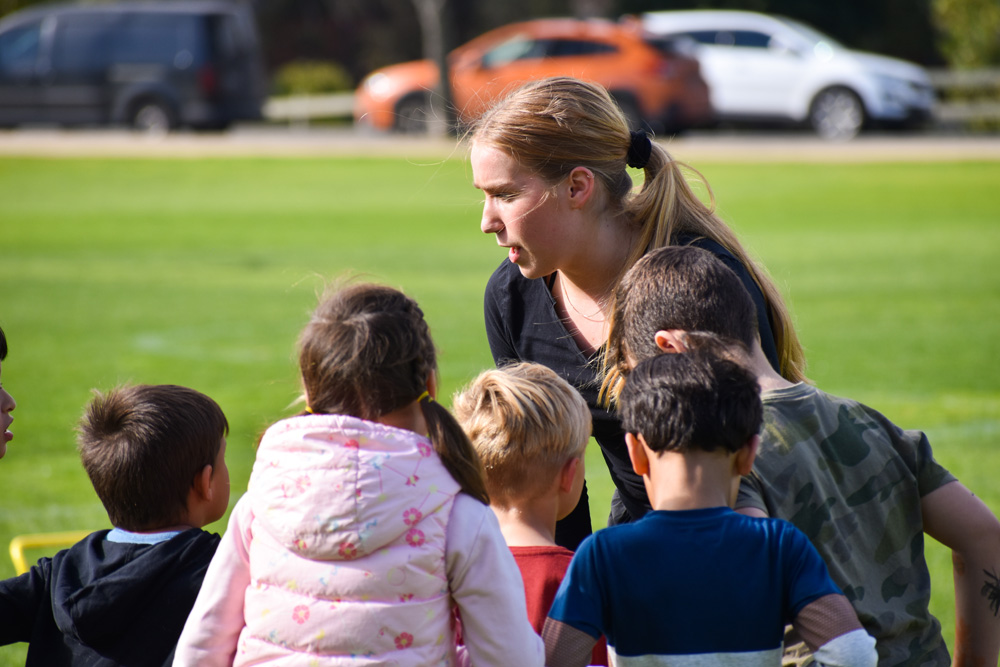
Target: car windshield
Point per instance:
(515, 48)
(814, 36)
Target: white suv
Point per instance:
(761, 67)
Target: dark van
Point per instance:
(154, 66)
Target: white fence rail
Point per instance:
(984, 82)
(303, 108)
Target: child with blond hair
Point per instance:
(530, 429)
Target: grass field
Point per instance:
(202, 272)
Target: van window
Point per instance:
(173, 40)
(19, 48)
(82, 43)
(227, 36)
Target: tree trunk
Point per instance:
(433, 30)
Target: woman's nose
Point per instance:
(491, 223)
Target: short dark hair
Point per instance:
(142, 447)
(692, 400)
(674, 287)
(3, 345)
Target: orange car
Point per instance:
(653, 85)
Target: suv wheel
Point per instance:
(837, 114)
(152, 117)
(413, 114)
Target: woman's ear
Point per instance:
(670, 341)
(581, 184)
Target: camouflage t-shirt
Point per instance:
(852, 481)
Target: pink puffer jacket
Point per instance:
(348, 551)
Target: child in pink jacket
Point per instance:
(365, 523)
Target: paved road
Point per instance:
(300, 141)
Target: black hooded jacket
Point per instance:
(106, 603)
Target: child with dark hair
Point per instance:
(365, 522)
(156, 457)
(7, 404)
(693, 582)
(864, 491)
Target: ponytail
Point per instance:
(666, 207)
(454, 449)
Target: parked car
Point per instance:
(761, 67)
(653, 85)
(151, 65)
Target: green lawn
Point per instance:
(202, 272)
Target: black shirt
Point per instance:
(522, 325)
(104, 603)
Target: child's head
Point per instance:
(674, 288)
(367, 352)
(525, 423)
(691, 401)
(7, 403)
(146, 447)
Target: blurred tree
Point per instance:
(434, 30)
(900, 28)
(969, 32)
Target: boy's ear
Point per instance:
(670, 341)
(581, 186)
(202, 486)
(637, 454)
(568, 474)
(745, 457)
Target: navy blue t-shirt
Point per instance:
(693, 582)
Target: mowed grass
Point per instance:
(202, 272)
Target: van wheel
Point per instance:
(837, 114)
(152, 117)
(413, 114)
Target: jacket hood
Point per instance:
(327, 486)
(101, 587)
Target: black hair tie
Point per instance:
(639, 150)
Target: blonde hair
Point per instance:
(524, 422)
(553, 125)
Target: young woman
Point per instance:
(551, 161)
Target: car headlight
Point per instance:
(378, 85)
(899, 91)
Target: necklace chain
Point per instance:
(592, 317)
